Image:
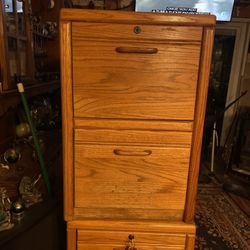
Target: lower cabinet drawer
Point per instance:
(97, 240)
(130, 182)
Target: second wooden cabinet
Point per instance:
(134, 89)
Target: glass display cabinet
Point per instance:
(16, 45)
(225, 87)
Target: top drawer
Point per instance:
(135, 79)
(136, 32)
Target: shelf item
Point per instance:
(134, 89)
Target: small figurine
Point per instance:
(29, 194)
(5, 205)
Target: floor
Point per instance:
(240, 191)
(221, 223)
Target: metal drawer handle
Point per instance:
(132, 153)
(137, 50)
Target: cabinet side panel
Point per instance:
(190, 242)
(67, 117)
(71, 238)
(200, 109)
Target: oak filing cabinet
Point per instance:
(134, 89)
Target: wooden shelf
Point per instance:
(11, 98)
(32, 217)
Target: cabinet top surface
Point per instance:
(110, 16)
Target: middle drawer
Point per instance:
(120, 181)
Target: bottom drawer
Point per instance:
(115, 240)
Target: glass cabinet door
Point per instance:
(18, 42)
(229, 55)
(224, 43)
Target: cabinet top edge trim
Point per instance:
(105, 16)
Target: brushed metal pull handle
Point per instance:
(137, 50)
(132, 153)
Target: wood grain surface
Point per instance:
(136, 18)
(119, 240)
(67, 117)
(130, 177)
(200, 110)
(149, 226)
(108, 84)
(146, 125)
(118, 31)
(136, 137)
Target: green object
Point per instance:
(34, 136)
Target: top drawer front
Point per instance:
(136, 32)
(110, 84)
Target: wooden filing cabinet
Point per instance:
(134, 89)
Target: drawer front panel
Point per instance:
(131, 31)
(81, 246)
(108, 84)
(141, 125)
(119, 181)
(123, 136)
(119, 240)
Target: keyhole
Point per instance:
(137, 29)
